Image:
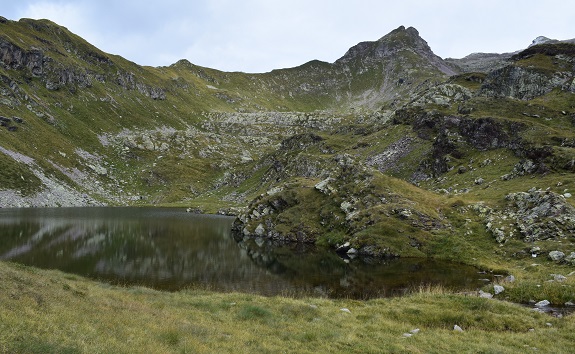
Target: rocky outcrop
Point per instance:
(524, 83)
(480, 62)
(390, 158)
(129, 81)
(351, 202)
(523, 80)
(55, 74)
(443, 95)
(452, 135)
(15, 58)
(532, 216)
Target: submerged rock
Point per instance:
(542, 303)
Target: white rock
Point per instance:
(414, 331)
(542, 303)
(498, 289)
(559, 277)
(567, 195)
(485, 295)
(346, 310)
(274, 190)
(260, 230)
(407, 335)
(325, 187)
(556, 255)
(346, 206)
(457, 328)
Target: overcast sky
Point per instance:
(261, 35)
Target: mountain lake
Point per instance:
(170, 249)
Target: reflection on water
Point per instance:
(170, 249)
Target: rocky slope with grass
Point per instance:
(388, 151)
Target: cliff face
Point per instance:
(526, 83)
(15, 58)
(61, 60)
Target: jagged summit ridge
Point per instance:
(400, 40)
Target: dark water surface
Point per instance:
(170, 249)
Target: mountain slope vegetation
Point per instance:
(390, 148)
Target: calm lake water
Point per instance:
(170, 249)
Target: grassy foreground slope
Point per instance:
(52, 312)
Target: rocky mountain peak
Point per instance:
(542, 40)
(401, 30)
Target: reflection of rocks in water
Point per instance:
(327, 273)
(264, 252)
(260, 253)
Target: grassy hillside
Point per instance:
(47, 311)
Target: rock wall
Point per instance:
(525, 83)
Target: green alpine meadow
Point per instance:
(388, 152)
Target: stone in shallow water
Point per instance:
(542, 303)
